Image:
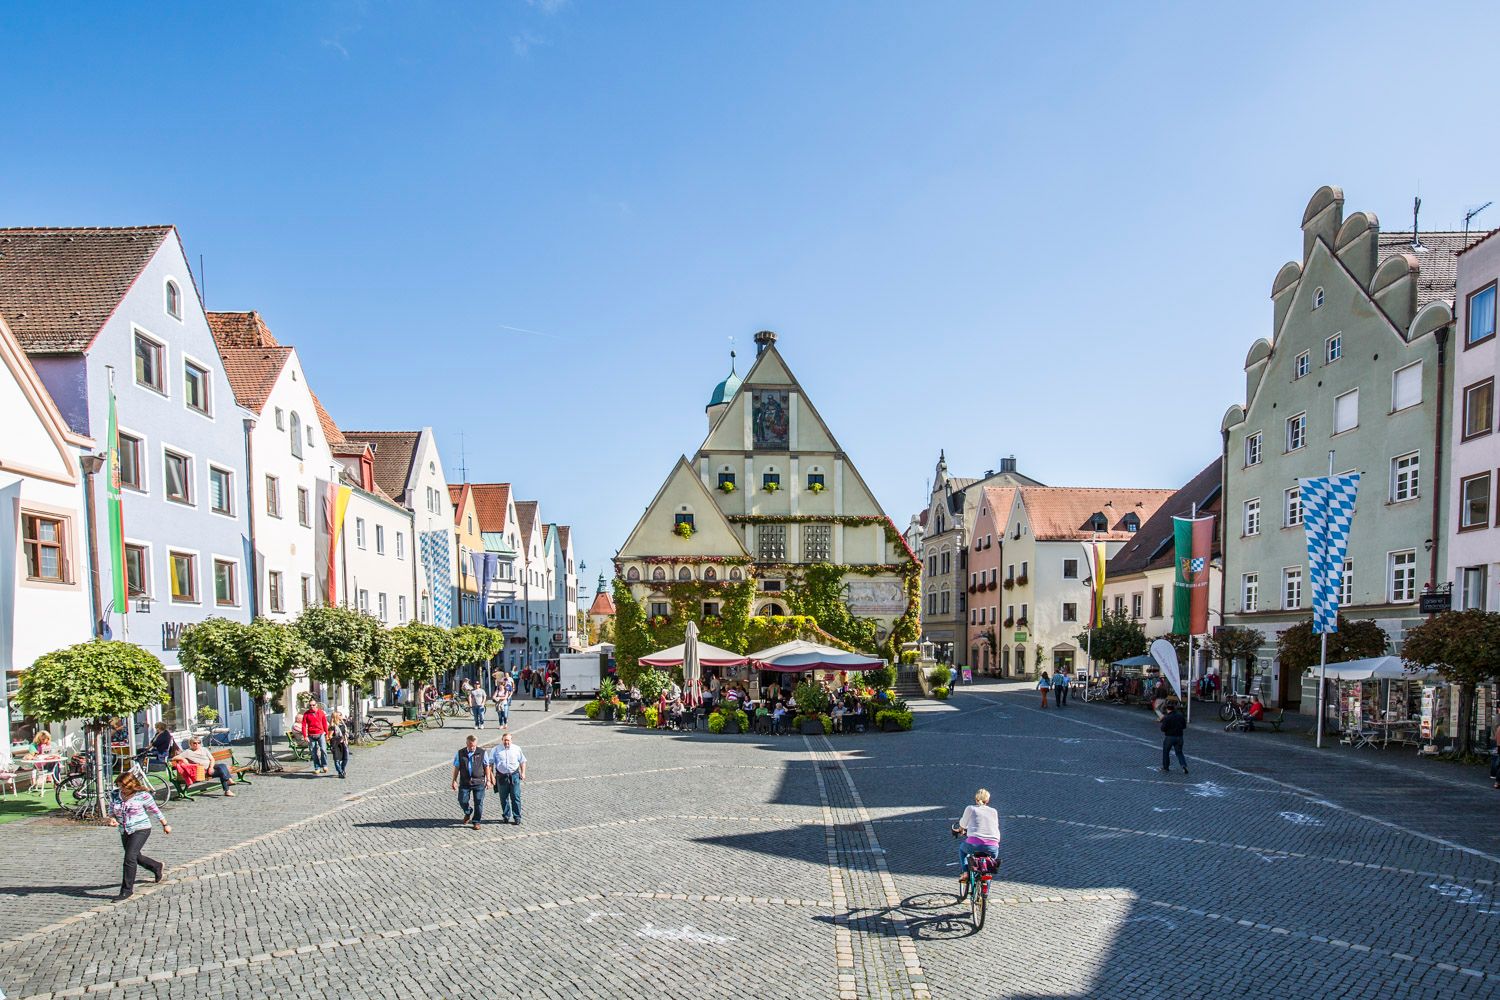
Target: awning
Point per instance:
(1136, 661)
(800, 654)
(1377, 668)
(708, 656)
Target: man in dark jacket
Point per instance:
(1173, 725)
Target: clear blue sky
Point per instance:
(991, 228)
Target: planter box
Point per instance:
(890, 726)
(731, 727)
(811, 727)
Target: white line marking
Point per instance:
(687, 933)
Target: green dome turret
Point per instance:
(725, 390)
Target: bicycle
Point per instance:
(1233, 706)
(980, 870)
(435, 717)
(377, 729)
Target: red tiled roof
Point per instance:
(1152, 546)
(1059, 513)
(546, 530)
(394, 453)
(240, 329)
(603, 604)
(526, 517)
(564, 536)
(456, 495)
(490, 502)
(252, 372)
(1000, 499)
(58, 287)
(331, 430)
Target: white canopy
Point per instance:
(800, 654)
(1376, 668)
(708, 656)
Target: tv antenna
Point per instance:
(1469, 217)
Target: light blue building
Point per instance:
(94, 302)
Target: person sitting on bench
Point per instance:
(195, 764)
(1256, 712)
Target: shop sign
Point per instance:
(1435, 602)
(1020, 637)
(171, 634)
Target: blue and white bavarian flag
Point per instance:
(1327, 510)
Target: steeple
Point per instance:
(722, 394)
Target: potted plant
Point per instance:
(810, 725)
(207, 716)
(816, 487)
(772, 486)
(727, 486)
(683, 530)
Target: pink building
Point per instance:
(984, 580)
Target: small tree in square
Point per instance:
(350, 643)
(1233, 643)
(1464, 647)
(418, 652)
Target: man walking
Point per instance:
(504, 687)
(471, 776)
(1173, 725)
(476, 703)
(315, 732)
(508, 765)
(1060, 684)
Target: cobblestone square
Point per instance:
(662, 865)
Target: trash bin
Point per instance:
(409, 712)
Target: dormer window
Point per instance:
(1098, 523)
(174, 300)
(1318, 298)
(1132, 523)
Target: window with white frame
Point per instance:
(226, 587)
(1473, 584)
(304, 507)
(195, 383)
(1296, 431)
(220, 490)
(273, 496)
(1253, 448)
(1402, 576)
(1252, 516)
(132, 466)
(1070, 569)
(381, 611)
(308, 597)
(401, 609)
(1346, 411)
(1157, 606)
(1474, 502)
(1250, 592)
(380, 539)
(1406, 386)
(1137, 605)
(295, 435)
(150, 362)
(137, 571)
(1291, 507)
(274, 590)
(359, 532)
(1318, 297)
(364, 601)
(401, 550)
(1301, 366)
(1070, 612)
(1333, 348)
(178, 475)
(1405, 476)
(44, 539)
(1346, 584)
(1291, 588)
(174, 300)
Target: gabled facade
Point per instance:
(468, 540)
(500, 531)
(952, 506)
(409, 470)
(603, 607)
(1357, 365)
(983, 562)
(565, 592)
(46, 596)
(536, 582)
(768, 495)
(87, 302)
(1035, 593)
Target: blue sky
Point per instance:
(1047, 230)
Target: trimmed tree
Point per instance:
(476, 644)
(263, 658)
(1464, 647)
(1299, 647)
(349, 642)
(1233, 643)
(93, 681)
(418, 652)
(1117, 637)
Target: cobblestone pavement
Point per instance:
(656, 865)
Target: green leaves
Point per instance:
(1464, 646)
(1300, 648)
(263, 657)
(93, 680)
(350, 643)
(418, 652)
(1116, 637)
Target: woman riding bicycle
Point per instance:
(980, 829)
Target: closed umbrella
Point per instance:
(690, 666)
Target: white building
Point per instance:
(1473, 538)
(46, 601)
(499, 527)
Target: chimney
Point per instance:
(1008, 464)
(763, 340)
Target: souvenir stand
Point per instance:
(1379, 701)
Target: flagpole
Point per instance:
(1323, 655)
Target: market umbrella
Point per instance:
(1377, 668)
(799, 654)
(708, 656)
(690, 666)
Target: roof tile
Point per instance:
(1152, 545)
(394, 453)
(490, 502)
(1061, 513)
(252, 373)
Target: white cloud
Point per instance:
(522, 43)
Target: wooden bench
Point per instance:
(406, 726)
(1242, 723)
(223, 756)
(297, 744)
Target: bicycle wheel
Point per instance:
(1226, 712)
(452, 709)
(379, 730)
(159, 787)
(435, 719)
(978, 902)
(72, 789)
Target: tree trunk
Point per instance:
(1465, 718)
(262, 736)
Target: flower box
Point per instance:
(890, 726)
(811, 727)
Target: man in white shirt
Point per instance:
(509, 763)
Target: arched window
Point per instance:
(658, 574)
(632, 574)
(772, 609)
(174, 300)
(684, 574)
(296, 431)
(1318, 298)
(710, 574)
(734, 573)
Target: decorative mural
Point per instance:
(770, 419)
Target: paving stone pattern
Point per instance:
(661, 865)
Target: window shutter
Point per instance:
(1406, 387)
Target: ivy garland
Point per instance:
(892, 536)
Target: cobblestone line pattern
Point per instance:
(875, 951)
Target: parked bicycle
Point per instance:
(77, 791)
(376, 730)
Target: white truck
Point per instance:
(579, 673)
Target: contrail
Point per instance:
(534, 333)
